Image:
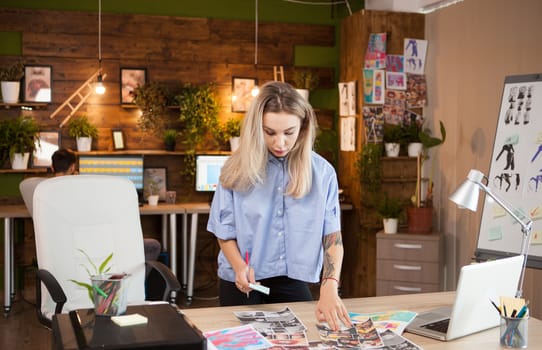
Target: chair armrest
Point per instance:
(167, 277)
(54, 289)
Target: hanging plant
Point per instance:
(198, 113)
(151, 98)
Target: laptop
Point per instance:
(472, 310)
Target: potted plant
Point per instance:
(83, 131)
(231, 131)
(198, 113)
(10, 79)
(390, 208)
(152, 99)
(22, 137)
(170, 139)
(304, 80)
(392, 136)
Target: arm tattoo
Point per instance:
(329, 241)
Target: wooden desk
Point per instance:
(10, 213)
(207, 319)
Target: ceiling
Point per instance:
(419, 6)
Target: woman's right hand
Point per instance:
(243, 277)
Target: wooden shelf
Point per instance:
(148, 152)
(33, 105)
(24, 171)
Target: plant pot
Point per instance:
(234, 143)
(19, 161)
(10, 91)
(153, 199)
(304, 93)
(420, 220)
(84, 144)
(392, 149)
(415, 149)
(390, 225)
(170, 146)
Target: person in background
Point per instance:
(276, 211)
(63, 163)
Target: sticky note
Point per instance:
(536, 237)
(494, 234)
(129, 320)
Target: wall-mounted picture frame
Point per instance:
(155, 181)
(118, 139)
(48, 143)
(130, 78)
(38, 83)
(241, 93)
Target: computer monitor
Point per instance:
(207, 171)
(127, 166)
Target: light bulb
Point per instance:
(100, 88)
(255, 91)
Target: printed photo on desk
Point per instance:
(155, 182)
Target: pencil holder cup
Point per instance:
(110, 293)
(514, 332)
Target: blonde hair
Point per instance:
(247, 166)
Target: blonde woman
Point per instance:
(276, 211)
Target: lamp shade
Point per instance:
(466, 196)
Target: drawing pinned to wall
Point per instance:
(373, 119)
(416, 91)
(394, 107)
(395, 63)
(348, 97)
(395, 81)
(378, 86)
(348, 134)
(414, 55)
(375, 56)
(368, 77)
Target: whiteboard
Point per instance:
(515, 173)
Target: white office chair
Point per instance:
(27, 187)
(97, 215)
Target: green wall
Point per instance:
(268, 10)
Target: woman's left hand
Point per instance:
(330, 307)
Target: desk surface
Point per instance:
(207, 319)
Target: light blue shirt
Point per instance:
(282, 235)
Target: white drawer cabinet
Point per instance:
(409, 263)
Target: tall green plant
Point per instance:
(198, 112)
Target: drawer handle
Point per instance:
(408, 246)
(408, 289)
(407, 267)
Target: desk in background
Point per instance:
(208, 319)
(12, 212)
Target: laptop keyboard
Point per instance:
(438, 326)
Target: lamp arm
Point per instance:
(524, 221)
(526, 228)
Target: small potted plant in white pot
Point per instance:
(392, 139)
(83, 131)
(21, 134)
(304, 80)
(390, 208)
(231, 131)
(10, 79)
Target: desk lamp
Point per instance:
(466, 196)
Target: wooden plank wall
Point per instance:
(359, 278)
(174, 50)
